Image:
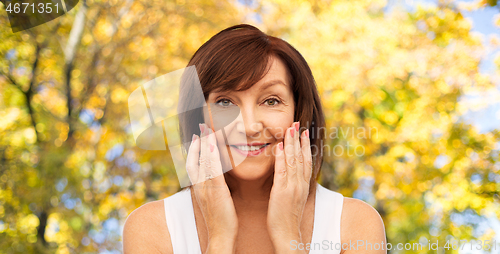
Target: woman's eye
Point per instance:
(272, 102)
(224, 102)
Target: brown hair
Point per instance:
(235, 59)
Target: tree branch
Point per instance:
(9, 77)
(70, 50)
(28, 95)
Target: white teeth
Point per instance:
(250, 148)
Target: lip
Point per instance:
(250, 153)
(250, 144)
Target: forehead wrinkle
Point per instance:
(271, 83)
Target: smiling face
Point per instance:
(266, 111)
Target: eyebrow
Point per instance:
(271, 83)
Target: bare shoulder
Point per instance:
(145, 230)
(362, 224)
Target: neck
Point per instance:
(250, 190)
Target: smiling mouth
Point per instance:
(250, 150)
(247, 148)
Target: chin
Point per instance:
(251, 171)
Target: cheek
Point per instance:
(280, 122)
(277, 126)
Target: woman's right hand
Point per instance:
(212, 194)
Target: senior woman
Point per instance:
(271, 201)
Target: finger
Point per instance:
(193, 159)
(214, 156)
(203, 155)
(291, 171)
(279, 166)
(299, 165)
(306, 154)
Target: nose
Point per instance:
(249, 122)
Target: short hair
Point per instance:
(235, 59)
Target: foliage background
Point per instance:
(70, 172)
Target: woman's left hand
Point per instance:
(293, 169)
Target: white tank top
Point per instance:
(326, 230)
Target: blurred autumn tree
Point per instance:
(398, 77)
(69, 169)
(70, 172)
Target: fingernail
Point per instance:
(292, 132)
(193, 138)
(307, 133)
(202, 128)
(212, 148)
(280, 146)
(297, 125)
